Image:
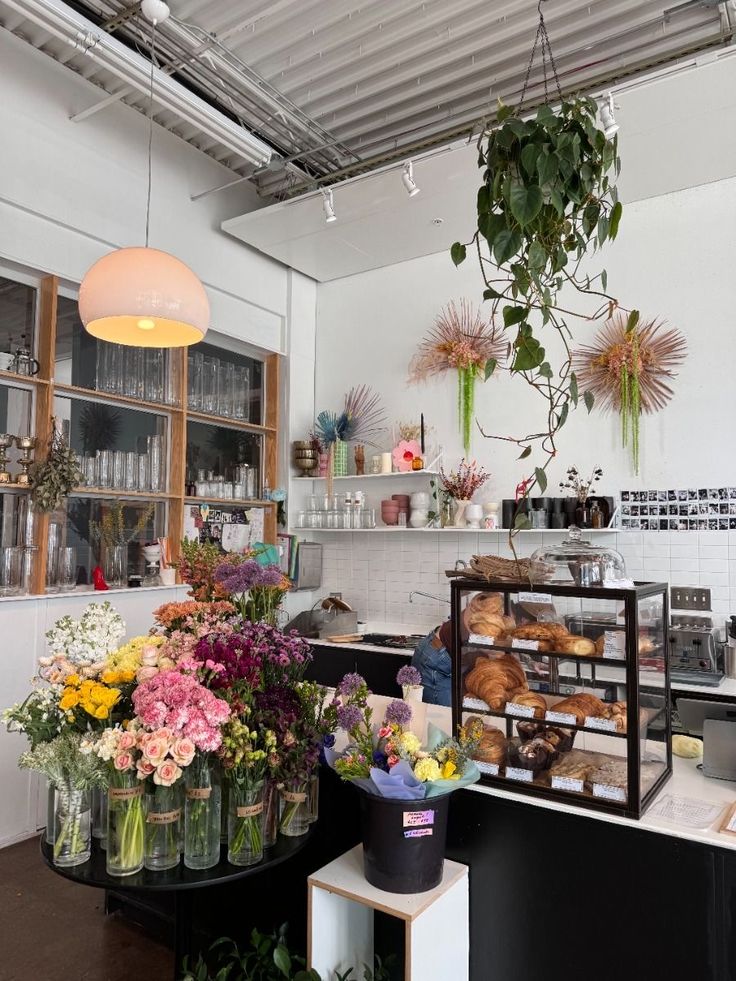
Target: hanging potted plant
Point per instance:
(547, 200)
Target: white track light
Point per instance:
(608, 119)
(407, 178)
(328, 206)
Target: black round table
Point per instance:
(180, 881)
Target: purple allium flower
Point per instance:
(350, 684)
(398, 713)
(348, 717)
(408, 675)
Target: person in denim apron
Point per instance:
(432, 659)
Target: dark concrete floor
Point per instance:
(55, 930)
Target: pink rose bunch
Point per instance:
(176, 701)
(154, 658)
(163, 756)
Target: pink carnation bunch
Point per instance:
(176, 701)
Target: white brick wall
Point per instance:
(376, 572)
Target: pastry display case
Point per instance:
(571, 685)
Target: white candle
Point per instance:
(386, 463)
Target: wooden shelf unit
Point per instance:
(44, 388)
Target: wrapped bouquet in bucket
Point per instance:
(404, 786)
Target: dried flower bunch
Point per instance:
(111, 530)
(55, 477)
(581, 488)
(361, 420)
(460, 341)
(628, 367)
(464, 482)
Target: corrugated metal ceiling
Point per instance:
(343, 85)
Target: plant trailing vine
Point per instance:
(546, 200)
(53, 478)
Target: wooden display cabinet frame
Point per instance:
(43, 389)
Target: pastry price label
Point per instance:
(567, 783)
(520, 644)
(564, 718)
(608, 792)
(614, 645)
(480, 639)
(603, 725)
(490, 768)
(523, 711)
(519, 773)
(477, 704)
(541, 598)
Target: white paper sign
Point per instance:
(541, 598)
(477, 704)
(609, 792)
(689, 811)
(480, 639)
(603, 725)
(618, 584)
(564, 718)
(525, 645)
(490, 768)
(524, 711)
(567, 783)
(517, 773)
(614, 645)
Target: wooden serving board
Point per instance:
(344, 638)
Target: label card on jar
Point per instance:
(544, 599)
(567, 783)
(564, 718)
(480, 639)
(523, 711)
(609, 792)
(603, 725)
(490, 768)
(614, 645)
(520, 644)
(518, 773)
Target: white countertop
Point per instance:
(377, 627)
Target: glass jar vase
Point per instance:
(163, 817)
(270, 813)
(125, 824)
(202, 813)
(50, 812)
(72, 826)
(245, 823)
(115, 565)
(313, 797)
(293, 808)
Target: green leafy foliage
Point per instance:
(53, 479)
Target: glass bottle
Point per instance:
(202, 813)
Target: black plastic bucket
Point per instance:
(403, 842)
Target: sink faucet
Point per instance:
(418, 592)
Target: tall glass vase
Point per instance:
(313, 797)
(115, 565)
(293, 807)
(125, 824)
(163, 816)
(270, 812)
(245, 823)
(340, 458)
(72, 826)
(50, 813)
(202, 814)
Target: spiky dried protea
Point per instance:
(459, 339)
(599, 365)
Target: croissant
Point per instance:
(533, 699)
(546, 630)
(487, 625)
(576, 645)
(581, 705)
(485, 603)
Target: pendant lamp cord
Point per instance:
(150, 130)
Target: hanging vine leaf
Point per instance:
(615, 218)
(589, 400)
(529, 353)
(491, 365)
(525, 453)
(541, 479)
(458, 253)
(526, 202)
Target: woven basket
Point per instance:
(493, 568)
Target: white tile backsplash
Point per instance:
(376, 572)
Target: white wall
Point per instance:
(72, 191)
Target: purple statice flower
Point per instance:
(349, 717)
(408, 675)
(350, 684)
(398, 713)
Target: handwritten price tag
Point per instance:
(517, 773)
(481, 640)
(413, 819)
(564, 718)
(490, 768)
(567, 783)
(520, 644)
(476, 704)
(541, 598)
(614, 645)
(523, 711)
(602, 725)
(608, 792)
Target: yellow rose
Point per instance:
(409, 742)
(101, 712)
(427, 769)
(69, 699)
(72, 679)
(448, 771)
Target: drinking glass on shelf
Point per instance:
(155, 455)
(67, 569)
(52, 557)
(226, 381)
(89, 469)
(154, 374)
(210, 380)
(241, 399)
(301, 519)
(131, 470)
(195, 365)
(102, 367)
(118, 469)
(104, 468)
(116, 368)
(134, 372)
(144, 472)
(11, 568)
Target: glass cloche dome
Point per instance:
(577, 561)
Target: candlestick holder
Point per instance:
(26, 444)
(6, 441)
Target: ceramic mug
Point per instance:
(473, 514)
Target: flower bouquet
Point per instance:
(411, 683)
(403, 834)
(256, 590)
(118, 748)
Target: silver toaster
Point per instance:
(694, 650)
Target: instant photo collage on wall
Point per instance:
(702, 509)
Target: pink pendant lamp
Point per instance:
(140, 296)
